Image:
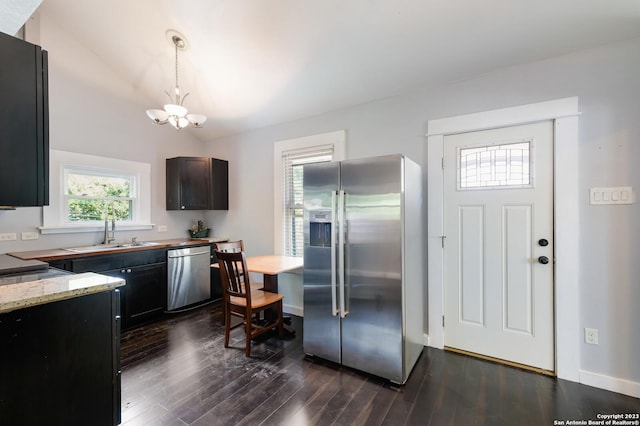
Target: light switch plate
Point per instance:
(10, 236)
(29, 235)
(611, 195)
(162, 228)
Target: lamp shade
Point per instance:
(177, 110)
(196, 119)
(158, 116)
(178, 122)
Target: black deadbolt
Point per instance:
(543, 259)
(543, 242)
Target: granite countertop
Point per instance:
(32, 293)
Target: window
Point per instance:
(92, 195)
(495, 166)
(86, 189)
(289, 159)
(293, 207)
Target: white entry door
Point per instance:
(498, 222)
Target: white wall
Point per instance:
(606, 82)
(92, 111)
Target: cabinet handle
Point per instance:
(122, 271)
(182, 207)
(128, 271)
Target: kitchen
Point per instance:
(95, 110)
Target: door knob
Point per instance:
(543, 259)
(543, 242)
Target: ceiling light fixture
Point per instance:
(174, 112)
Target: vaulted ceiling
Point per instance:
(254, 63)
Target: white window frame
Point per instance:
(337, 139)
(55, 214)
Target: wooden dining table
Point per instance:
(272, 265)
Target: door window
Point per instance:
(495, 166)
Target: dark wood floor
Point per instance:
(177, 372)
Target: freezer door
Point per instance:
(372, 332)
(321, 326)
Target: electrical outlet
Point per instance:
(162, 228)
(591, 336)
(30, 236)
(10, 236)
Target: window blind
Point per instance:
(293, 196)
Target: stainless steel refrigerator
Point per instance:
(363, 261)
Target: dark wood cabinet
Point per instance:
(62, 362)
(197, 183)
(144, 297)
(24, 126)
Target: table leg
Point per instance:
(271, 284)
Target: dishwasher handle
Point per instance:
(187, 253)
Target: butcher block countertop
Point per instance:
(65, 253)
(32, 293)
(25, 294)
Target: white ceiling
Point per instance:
(254, 63)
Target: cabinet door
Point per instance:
(24, 151)
(61, 363)
(188, 183)
(145, 295)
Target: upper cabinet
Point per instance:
(24, 124)
(197, 183)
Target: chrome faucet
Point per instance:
(108, 239)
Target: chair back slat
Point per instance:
(229, 246)
(233, 268)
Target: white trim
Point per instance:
(337, 139)
(53, 215)
(565, 114)
(293, 310)
(613, 384)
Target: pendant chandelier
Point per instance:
(175, 113)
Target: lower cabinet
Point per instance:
(145, 295)
(62, 362)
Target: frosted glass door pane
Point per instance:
(494, 166)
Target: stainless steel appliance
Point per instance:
(189, 279)
(363, 264)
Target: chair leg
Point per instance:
(247, 330)
(227, 325)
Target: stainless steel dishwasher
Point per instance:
(189, 279)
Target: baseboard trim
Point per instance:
(293, 310)
(613, 384)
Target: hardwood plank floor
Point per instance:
(177, 372)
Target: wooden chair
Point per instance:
(242, 301)
(234, 247)
(229, 246)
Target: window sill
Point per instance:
(71, 229)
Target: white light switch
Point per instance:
(613, 195)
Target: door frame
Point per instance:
(564, 114)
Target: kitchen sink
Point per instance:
(108, 247)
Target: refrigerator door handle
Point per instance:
(341, 241)
(334, 303)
